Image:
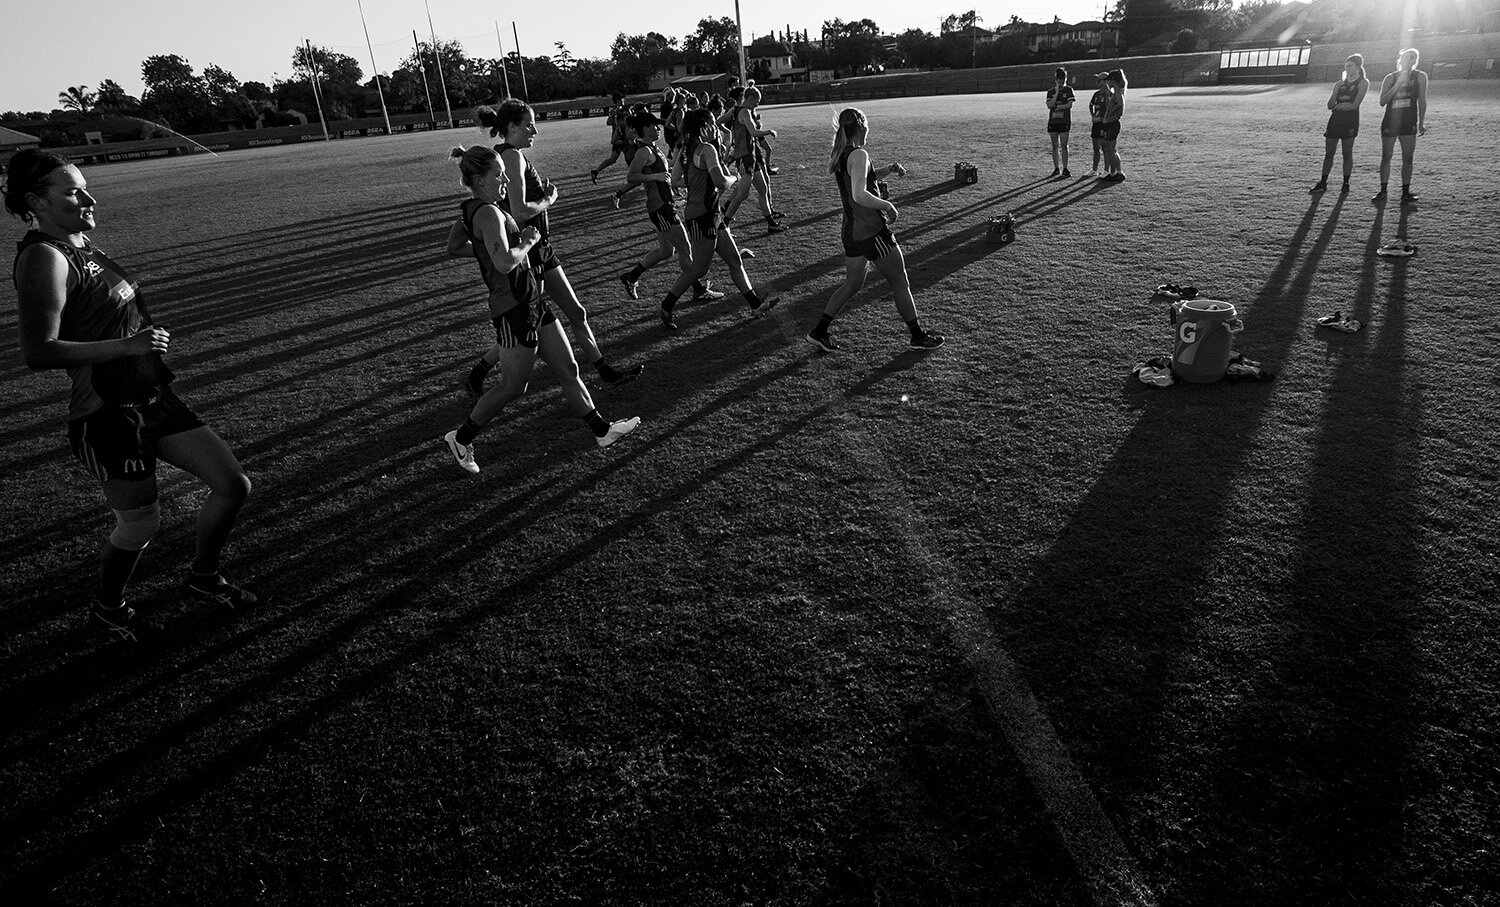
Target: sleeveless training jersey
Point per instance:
(702, 194)
(1346, 92)
(743, 146)
(859, 222)
(658, 195)
(102, 304)
(518, 284)
(535, 191)
(1401, 113)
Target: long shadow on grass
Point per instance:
(1131, 572)
(402, 586)
(1318, 757)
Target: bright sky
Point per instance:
(83, 42)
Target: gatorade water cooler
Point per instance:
(1204, 329)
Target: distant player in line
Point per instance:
(1060, 120)
(1343, 120)
(615, 120)
(528, 197)
(749, 160)
(1403, 94)
(81, 312)
(651, 171)
(524, 324)
(702, 171)
(866, 234)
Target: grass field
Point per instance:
(991, 625)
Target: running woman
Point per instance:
(615, 120)
(703, 171)
(80, 311)
(529, 197)
(1097, 105)
(524, 324)
(1403, 94)
(1060, 119)
(866, 234)
(749, 161)
(1114, 109)
(651, 171)
(1343, 121)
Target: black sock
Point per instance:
(606, 371)
(753, 298)
(634, 273)
(699, 287)
(915, 327)
(1406, 188)
(480, 369)
(824, 324)
(115, 567)
(596, 423)
(669, 302)
(467, 431)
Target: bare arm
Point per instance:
(859, 164)
(708, 159)
(1421, 102)
(1388, 88)
(515, 193)
(489, 227)
(748, 121)
(42, 284)
(1333, 99)
(638, 172)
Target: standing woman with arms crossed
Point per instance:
(524, 323)
(1403, 94)
(1060, 119)
(1114, 109)
(866, 235)
(1343, 122)
(81, 312)
(703, 172)
(1097, 103)
(528, 197)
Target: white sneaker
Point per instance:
(462, 453)
(617, 430)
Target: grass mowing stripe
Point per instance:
(1108, 869)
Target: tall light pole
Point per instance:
(739, 40)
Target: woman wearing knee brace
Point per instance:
(80, 311)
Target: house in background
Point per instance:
(1103, 36)
(771, 61)
(12, 141)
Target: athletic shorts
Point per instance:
(119, 441)
(1097, 130)
(1108, 131)
(751, 162)
(542, 258)
(1342, 124)
(1065, 126)
(1398, 121)
(515, 327)
(664, 218)
(705, 226)
(617, 146)
(875, 248)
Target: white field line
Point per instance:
(1106, 865)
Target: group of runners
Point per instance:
(80, 311)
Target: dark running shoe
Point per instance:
(594, 175)
(219, 590)
(765, 307)
(121, 623)
(667, 321)
(626, 376)
(926, 341)
(1408, 199)
(474, 385)
(773, 227)
(1319, 186)
(1378, 198)
(632, 287)
(824, 342)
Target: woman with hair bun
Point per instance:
(80, 311)
(866, 234)
(528, 198)
(1060, 121)
(525, 325)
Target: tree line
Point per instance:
(179, 98)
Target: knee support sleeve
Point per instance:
(135, 528)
